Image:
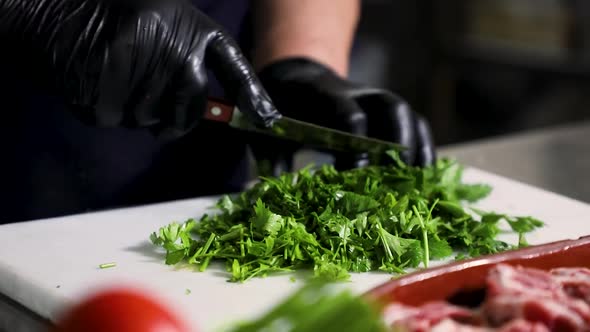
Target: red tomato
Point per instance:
(119, 310)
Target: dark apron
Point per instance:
(53, 165)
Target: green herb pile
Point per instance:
(386, 218)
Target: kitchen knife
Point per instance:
(302, 132)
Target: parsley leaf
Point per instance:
(318, 307)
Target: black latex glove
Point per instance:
(308, 91)
(130, 63)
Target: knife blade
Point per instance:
(305, 133)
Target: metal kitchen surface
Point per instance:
(555, 159)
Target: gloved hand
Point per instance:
(308, 91)
(131, 63)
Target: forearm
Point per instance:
(322, 30)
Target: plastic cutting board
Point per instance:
(47, 264)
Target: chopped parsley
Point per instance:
(376, 218)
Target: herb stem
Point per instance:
(107, 265)
(424, 236)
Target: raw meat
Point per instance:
(505, 279)
(449, 325)
(521, 325)
(426, 317)
(534, 295)
(551, 313)
(517, 300)
(575, 282)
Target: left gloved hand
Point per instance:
(308, 91)
(129, 63)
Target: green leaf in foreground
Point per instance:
(318, 307)
(377, 218)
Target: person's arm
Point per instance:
(321, 30)
(301, 54)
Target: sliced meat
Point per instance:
(517, 300)
(521, 325)
(505, 279)
(534, 295)
(426, 317)
(575, 282)
(556, 315)
(449, 325)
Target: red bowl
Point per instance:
(444, 282)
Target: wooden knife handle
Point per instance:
(219, 111)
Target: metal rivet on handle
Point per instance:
(216, 111)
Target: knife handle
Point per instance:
(218, 111)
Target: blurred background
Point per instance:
(479, 68)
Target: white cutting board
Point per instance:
(45, 265)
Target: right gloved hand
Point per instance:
(307, 90)
(131, 63)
